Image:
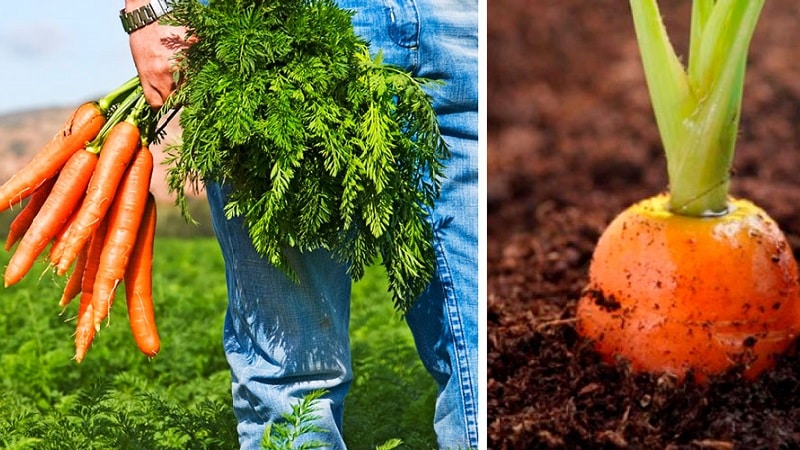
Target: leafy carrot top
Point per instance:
(323, 145)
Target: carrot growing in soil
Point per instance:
(694, 281)
(138, 284)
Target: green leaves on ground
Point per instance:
(324, 146)
(119, 399)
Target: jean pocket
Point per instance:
(404, 22)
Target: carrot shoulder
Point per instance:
(115, 155)
(54, 213)
(124, 218)
(83, 126)
(138, 285)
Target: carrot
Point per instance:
(671, 293)
(73, 286)
(83, 126)
(694, 281)
(124, 218)
(57, 247)
(115, 155)
(85, 329)
(54, 213)
(138, 284)
(20, 224)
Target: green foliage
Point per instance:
(300, 422)
(389, 445)
(697, 108)
(324, 145)
(117, 398)
(392, 390)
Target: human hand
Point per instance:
(153, 49)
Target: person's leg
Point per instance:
(438, 39)
(444, 321)
(282, 339)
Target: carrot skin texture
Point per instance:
(85, 329)
(115, 155)
(83, 126)
(23, 221)
(54, 213)
(124, 218)
(73, 286)
(58, 241)
(678, 294)
(138, 285)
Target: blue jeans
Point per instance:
(284, 340)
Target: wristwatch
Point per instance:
(144, 15)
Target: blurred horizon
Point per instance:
(59, 54)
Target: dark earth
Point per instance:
(571, 143)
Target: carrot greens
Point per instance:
(697, 108)
(323, 144)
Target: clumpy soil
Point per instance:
(571, 142)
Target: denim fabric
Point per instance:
(438, 39)
(284, 340)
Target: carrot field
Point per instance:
(117, 398)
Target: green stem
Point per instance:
(697, 110)
(123, 111)
(112, 97)
(141, 115)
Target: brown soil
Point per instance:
(572, 141)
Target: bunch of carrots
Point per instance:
(88, 199)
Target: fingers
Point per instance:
(156, 90)
(154, 48)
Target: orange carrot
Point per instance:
(58, 240)
(54, 213)
(23, 221)
(73, 286)
(83, 125)
(678, 294)
(124, 218)
(694, 281)
(85, 329)
(138, 284)
(115, 155)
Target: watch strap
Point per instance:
(144, 15)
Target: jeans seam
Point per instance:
(457, 327)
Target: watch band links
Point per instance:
(144, 15)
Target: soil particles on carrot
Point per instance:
(572, 142)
